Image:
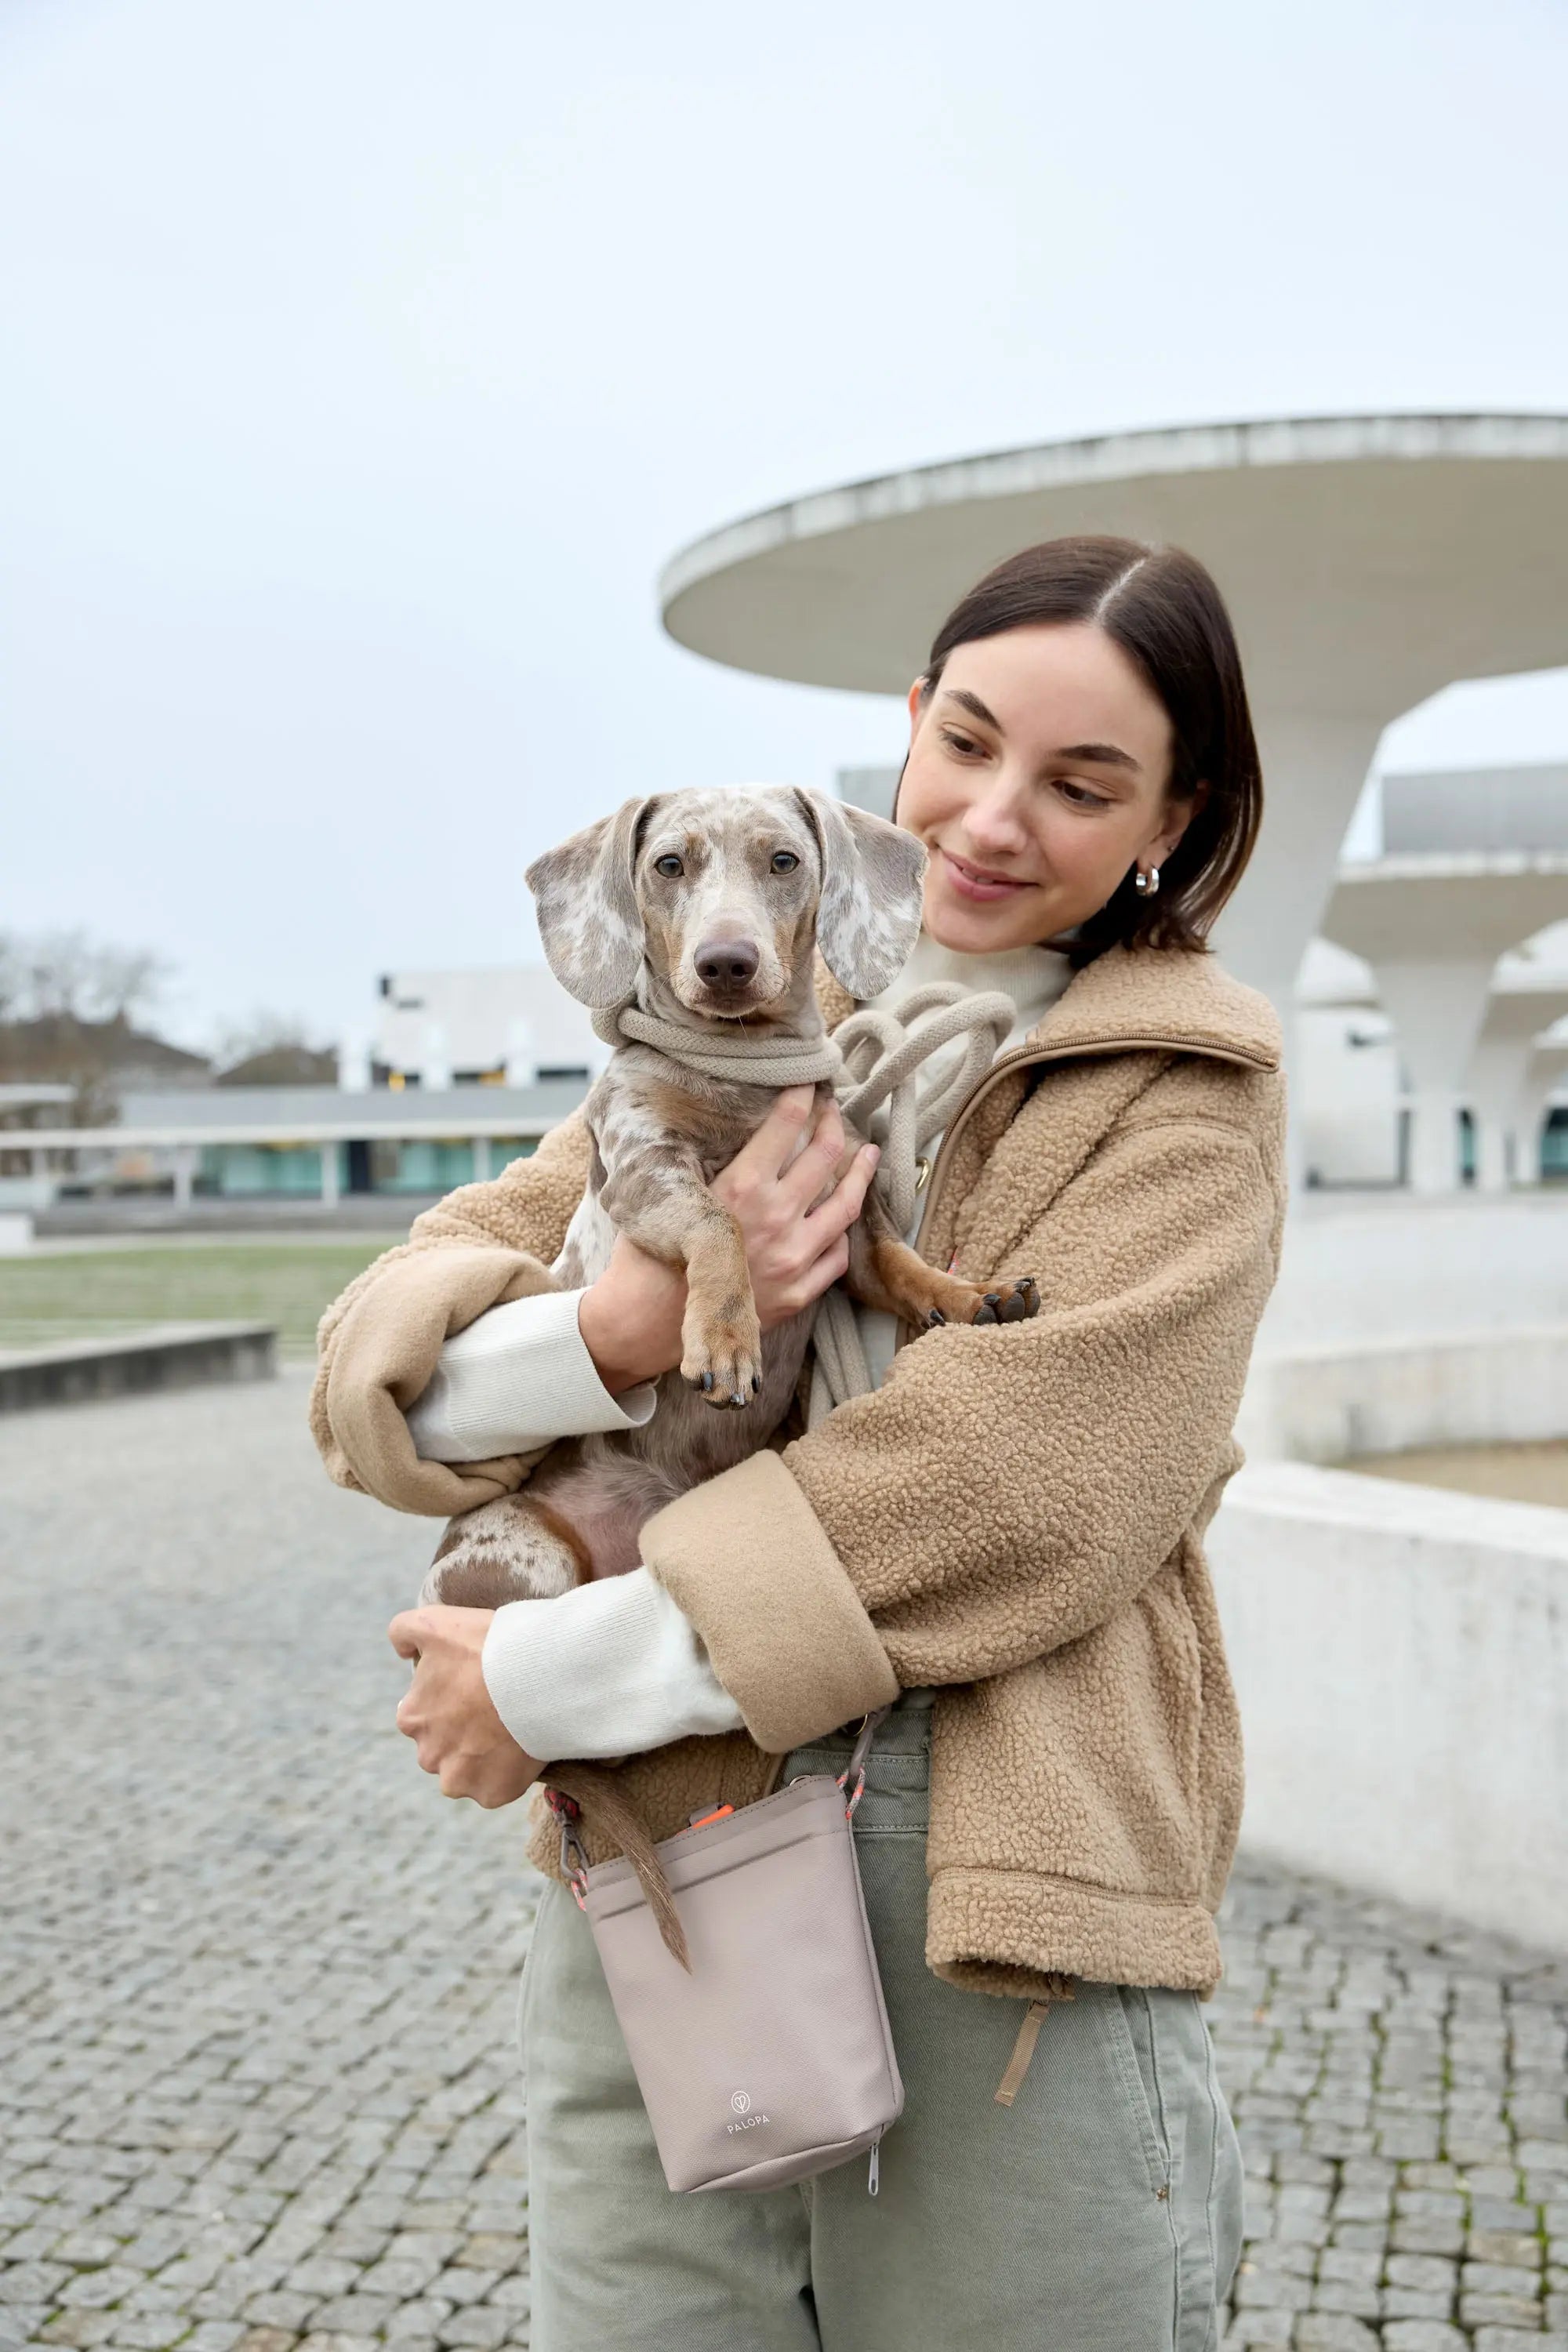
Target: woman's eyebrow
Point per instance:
(1102, 755)
(972, 704)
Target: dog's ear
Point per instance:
(589, 921)
(869, 916)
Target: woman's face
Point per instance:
(1035, 778)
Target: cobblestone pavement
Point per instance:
(257, 2080)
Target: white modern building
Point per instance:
(510, 1024)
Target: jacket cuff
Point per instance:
(381, 1358)
(746, 1558)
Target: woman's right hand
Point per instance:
(794, 1209)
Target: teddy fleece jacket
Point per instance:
(1015, 1517)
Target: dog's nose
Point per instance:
(727, 964)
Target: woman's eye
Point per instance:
(1080, 796)
(669, 866)
(964, 745)
(785, 861)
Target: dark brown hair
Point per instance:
(1161, 607)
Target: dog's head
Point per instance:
(723, 895)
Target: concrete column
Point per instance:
(185, 1159)
(520, 1055)
(1496, 1083)
(1437, 1009)
(481, 1145)
(330, 1176)
(1313, 770)
(435, 1060)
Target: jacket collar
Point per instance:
(1131, 998)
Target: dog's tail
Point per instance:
(614, 1818)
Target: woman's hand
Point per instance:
(794, 1213)
(448, 1713)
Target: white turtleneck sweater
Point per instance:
(614, 1668)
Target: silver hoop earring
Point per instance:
(1146, 885)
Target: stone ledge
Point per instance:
(164, 1355)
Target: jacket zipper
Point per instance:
(1079, 1050)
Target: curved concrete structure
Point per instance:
(1369, 562)
(1431, 929)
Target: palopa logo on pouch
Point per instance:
(741, 2101)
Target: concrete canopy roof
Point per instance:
(1445, 909)
(1367, 560)
(1518, 1015)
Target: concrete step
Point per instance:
(164, 1355)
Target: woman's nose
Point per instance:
(996, 821)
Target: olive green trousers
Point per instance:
(1100, 2212)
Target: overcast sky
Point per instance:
(363, 361)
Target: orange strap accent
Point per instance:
(1023, 2050)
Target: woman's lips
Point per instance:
(974, 882)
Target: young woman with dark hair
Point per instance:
(1003, 1542)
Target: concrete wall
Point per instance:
(1401, 1657)
(1335, 1404)
(1398, 1268)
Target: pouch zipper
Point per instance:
(874, 2176)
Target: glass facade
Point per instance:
(293, 1171)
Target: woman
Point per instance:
(1004, 1539)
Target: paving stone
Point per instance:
(1410, 2303)
(1423, 2336)
(1499, 2311)
(1332, 2332)
(1505, 2246)
(1499, 2278)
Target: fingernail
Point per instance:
(873, 1153)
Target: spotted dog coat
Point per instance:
(704, 908)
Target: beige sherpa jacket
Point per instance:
(1015, 1518)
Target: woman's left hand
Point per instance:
(448, 1713)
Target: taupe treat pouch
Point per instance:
(771, 2059)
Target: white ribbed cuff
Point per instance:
(515, 1380)
(612, 1668)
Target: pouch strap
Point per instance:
(589, 1787)
(853, 1773)
(1023, 2050)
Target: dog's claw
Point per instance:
(756, 1383)
(987, 1310)
(935, 1319)
(706, 1384)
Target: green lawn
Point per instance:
(92, 1293)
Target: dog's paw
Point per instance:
(723, 1358)
(1007, 1302)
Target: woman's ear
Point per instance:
(868, 915)
(589, 921)
(1179, 814)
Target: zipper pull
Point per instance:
(874, 2178)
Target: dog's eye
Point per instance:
(785, 861)
(669, 865)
